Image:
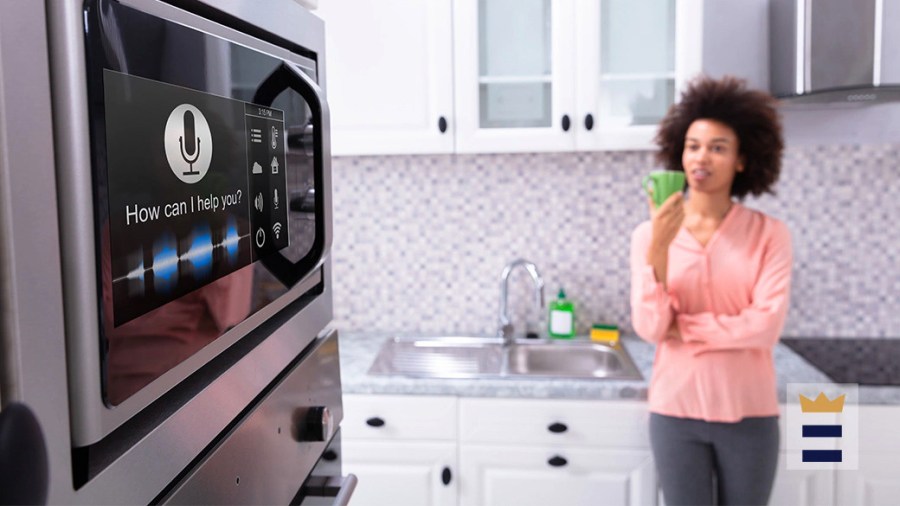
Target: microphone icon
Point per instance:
(188, 145)
(188, 140)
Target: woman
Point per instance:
(710, 283)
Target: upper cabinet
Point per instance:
(389, 74)
(562, 75)
(514, 75)
(526, 75)
(625, 79)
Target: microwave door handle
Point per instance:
(289, 76)
(317, 101)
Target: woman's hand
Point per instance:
(666, 222)
(673, 332)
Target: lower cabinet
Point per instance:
(391, 472)
(794, 487)
(877, 480)
(539, 476)
(443, 450)
(560, 452)
(403, 449)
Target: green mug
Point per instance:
(663, 183)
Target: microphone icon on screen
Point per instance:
(189, 143)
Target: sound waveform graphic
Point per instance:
(197, 260)
(231, 240)
(136, 274)
(165, 263)
(200, 253)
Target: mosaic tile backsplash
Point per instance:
(420, 241)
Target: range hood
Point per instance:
(835, 50)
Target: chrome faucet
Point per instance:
(505, 329)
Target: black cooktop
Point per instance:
(858, 360)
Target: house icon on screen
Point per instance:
(274, 165)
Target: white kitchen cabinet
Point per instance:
(799, 487)
(875, 482)
(414, 473)
(626, 72)
(389, 71)
(525, 75)
(562, 75)
(402, 448)
(514, 71)
(561, 452)
(500, 475)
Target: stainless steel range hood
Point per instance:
(835, 50)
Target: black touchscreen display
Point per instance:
(208, 178)
(196, 189)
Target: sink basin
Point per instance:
(576, 359)
(479, 357)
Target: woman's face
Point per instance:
(710, 158)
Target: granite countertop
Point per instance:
(358, 351)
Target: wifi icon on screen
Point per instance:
(277, 229)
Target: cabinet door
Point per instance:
(514, 65)
(626, 71)
(401, 473)
(875, 481)
(794, 487)
(503, 475)
(418, 417)
(389, 71)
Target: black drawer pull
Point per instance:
(329, 455)
(589, 122)
(446, 476)
(375, 422)
(557, 461)
(566, 122)
(557, 428)
(442, 124)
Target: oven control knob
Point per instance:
(317, 425)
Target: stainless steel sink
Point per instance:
(479, 357)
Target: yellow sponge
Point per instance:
(605, 333)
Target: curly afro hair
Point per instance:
(750, 113)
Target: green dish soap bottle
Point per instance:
(562, 317)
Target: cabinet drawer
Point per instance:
(544, 421)
(399, 417)
(564, 476)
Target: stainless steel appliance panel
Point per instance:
(841, 44)
(90, 393)
(291, 427)
(47, 267)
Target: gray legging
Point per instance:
(693, 455)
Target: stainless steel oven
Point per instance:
(172, 334)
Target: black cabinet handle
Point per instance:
(557, 461)
(442, 124)
(589, 122)
(566, 123)
(375, 422)
(446, 476)
(330, 455)
(557, 428)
